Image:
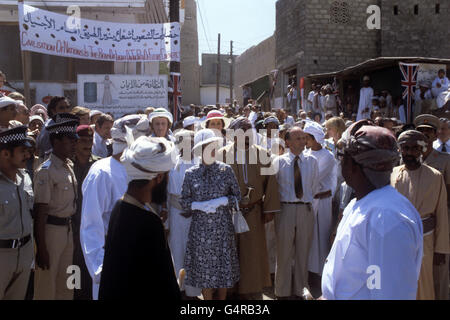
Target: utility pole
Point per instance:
(231, 72)
(174, 16)
(218, 71)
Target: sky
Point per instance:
(246, 22)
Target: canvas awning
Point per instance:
(372, 65)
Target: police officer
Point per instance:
(82, 162)
(16, 224)
(429, 126)
(55, 189)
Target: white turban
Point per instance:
(315, 130)
(139, 126)
(147, 157)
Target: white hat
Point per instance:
(161, 113)
(216, 115)
(366, 78)
(203, 137)
(315, 130)
(189, 121)
(6, 101)
(36, 117)
(94, 113)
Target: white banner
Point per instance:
(57, 34)
(121, 94)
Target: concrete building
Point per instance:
(253, 67)
(209, 78)
(208, 94)
(190, 68)
(319, 36)
(53, 75)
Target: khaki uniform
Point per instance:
(55, 185)
(441, 162)
(16, 202)
(425, 188)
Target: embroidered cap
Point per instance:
(15, 136)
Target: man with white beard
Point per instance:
(105, 183)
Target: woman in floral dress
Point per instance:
(209, 193)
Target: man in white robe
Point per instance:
(440, 83)
(179, 224)
(309, 101)
(322, 203)
(105, 183)
(378, 249)
(365, 100)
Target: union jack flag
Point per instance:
(409, 81)
(175, 89)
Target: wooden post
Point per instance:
(174, 16)
(231, 72)
(218, 71)
(26, 72)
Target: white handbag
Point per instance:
(239, 222)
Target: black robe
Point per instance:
(137, 264)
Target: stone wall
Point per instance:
(425, 34)
(209, 68)
(317, 36)
(189, 65)
(254, 63)
(324, 35)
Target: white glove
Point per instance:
(209, 206)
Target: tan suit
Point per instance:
(16, 202)
(252, 248)
(441, 162)
(425, 188)
(55, 185)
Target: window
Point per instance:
(438, 8)
(395, 10)
(416, 9)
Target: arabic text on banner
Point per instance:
(55, 34)
(121, 94)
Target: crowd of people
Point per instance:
(145, 207)
(325, 100)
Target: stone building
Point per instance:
(254, 66)
(190, 68)
(209, 78)
(320, 36)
